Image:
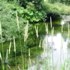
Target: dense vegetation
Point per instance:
(33, 11)
(22, 26)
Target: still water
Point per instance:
(55, 51)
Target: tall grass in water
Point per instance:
(25, 37)
(20, 45)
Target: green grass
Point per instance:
(58, 8)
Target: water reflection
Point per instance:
(55, 50)
(58, 46)
(54, 54)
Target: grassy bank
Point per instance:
(58, 8)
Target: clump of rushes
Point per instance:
(36, 30)
(26, 31)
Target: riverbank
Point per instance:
(58, 8)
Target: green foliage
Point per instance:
(31, 10)
(58, 8)
(32, 14)
(8, 17)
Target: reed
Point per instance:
(20, 45)
(14, 44)
(50, 22)
(26, 28)
(36, 30)
(26, 35)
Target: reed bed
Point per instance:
(26, 52)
